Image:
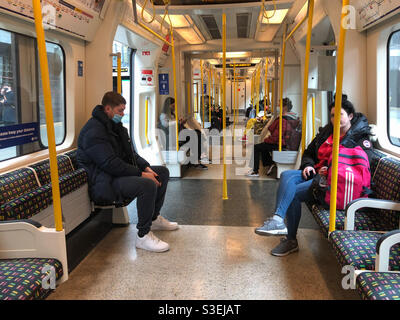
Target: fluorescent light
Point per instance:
(238, 54)
(179, 21)
(213, 61)
(276, 17)
(190, 35)
(256, 60)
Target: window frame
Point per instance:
(18, 97)
(388, 87)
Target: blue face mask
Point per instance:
(117, 118)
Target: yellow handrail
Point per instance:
(273, 96)
(154, 12)
(175, 91)
(44, 69)
(281, 87)
(202, 85)
(296, 27)
(197, 98)
(146, 126)
(210, 98)
(234, 100)
(336, 127)
(313, 116)
(119, 81)
(225, 186)
(258, 90)
(306, 69)
(265, 87)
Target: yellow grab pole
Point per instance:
(273, 96)
(197, 98)
(210, 96)
(146, 126)
(258, 90)
(234, 99)
(336, 127)
(281, 87)
(175, 91)
(306, 68)
(202, 85)
(171, 44)
(44, 69)
(313, 116)
(188, 97)
(265, 87)
(119, 82)
(225, 186)
(296, 27)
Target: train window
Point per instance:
(21, 97)
(55, 57)
(393, 88)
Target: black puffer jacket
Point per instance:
(358, 135)
(105, 151)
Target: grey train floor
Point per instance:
(214, 255)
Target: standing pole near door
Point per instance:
(175, 91)
(225, 186)
(202, 92)
(44, 69)
(281, 87)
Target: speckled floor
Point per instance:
(206, 262)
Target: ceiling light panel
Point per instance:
(190, 35)
(179, 21)
(274, 17)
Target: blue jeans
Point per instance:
(292, 190)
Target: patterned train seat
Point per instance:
(18, 183)
(379, 285)
(21, 279)
(385, 185)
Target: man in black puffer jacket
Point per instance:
(116, 173)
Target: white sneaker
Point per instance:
(151, 243)
(252, 174)
(163, 224)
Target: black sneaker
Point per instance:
(285, 247)
(201, 166)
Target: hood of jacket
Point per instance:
(359, 129)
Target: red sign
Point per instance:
(165, 46)
(147, 71)
(145, 53)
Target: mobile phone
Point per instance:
(158, 178)
(310, 175)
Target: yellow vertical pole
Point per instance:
(225, 186)
(188, 96)
(313, 116)
(175, 90)
(210, 97)
(273, 96)
(146, 126)
(44, 69)
(201, 92)
(336, 127)
(281, 87)
(197, 97)
(234, 99)
(258, 90)
(306, 68)
(119, 81)
(266, 87)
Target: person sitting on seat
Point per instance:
(117, 174)
(294, 184)
(264, 149)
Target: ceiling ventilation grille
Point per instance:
(212, 26)
(242, 23)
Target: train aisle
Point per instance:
(215, 254)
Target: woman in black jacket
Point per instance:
(117, 174)
(294, 184)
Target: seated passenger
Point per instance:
(167, 125)
(294, 184)
(264, 149)
(116, 173)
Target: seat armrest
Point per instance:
(357, 204)
(30, 221)
(383, 246)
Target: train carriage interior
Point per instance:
(230, 96)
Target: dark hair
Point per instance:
(286, 102)
(346, 105)
(167, 105)
(112, 99)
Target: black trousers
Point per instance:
(263, 150)
(150, 198)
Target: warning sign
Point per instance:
(147, 77)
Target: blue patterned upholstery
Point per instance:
(379, 285)
(21, 279)
(358, 249)
(43, 169)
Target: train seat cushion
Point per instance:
(386, 185)
(21, 279)
(365, 220)
(43, 169)
(31, 203)
(16, 183)
(379, 285)
(358, 248)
